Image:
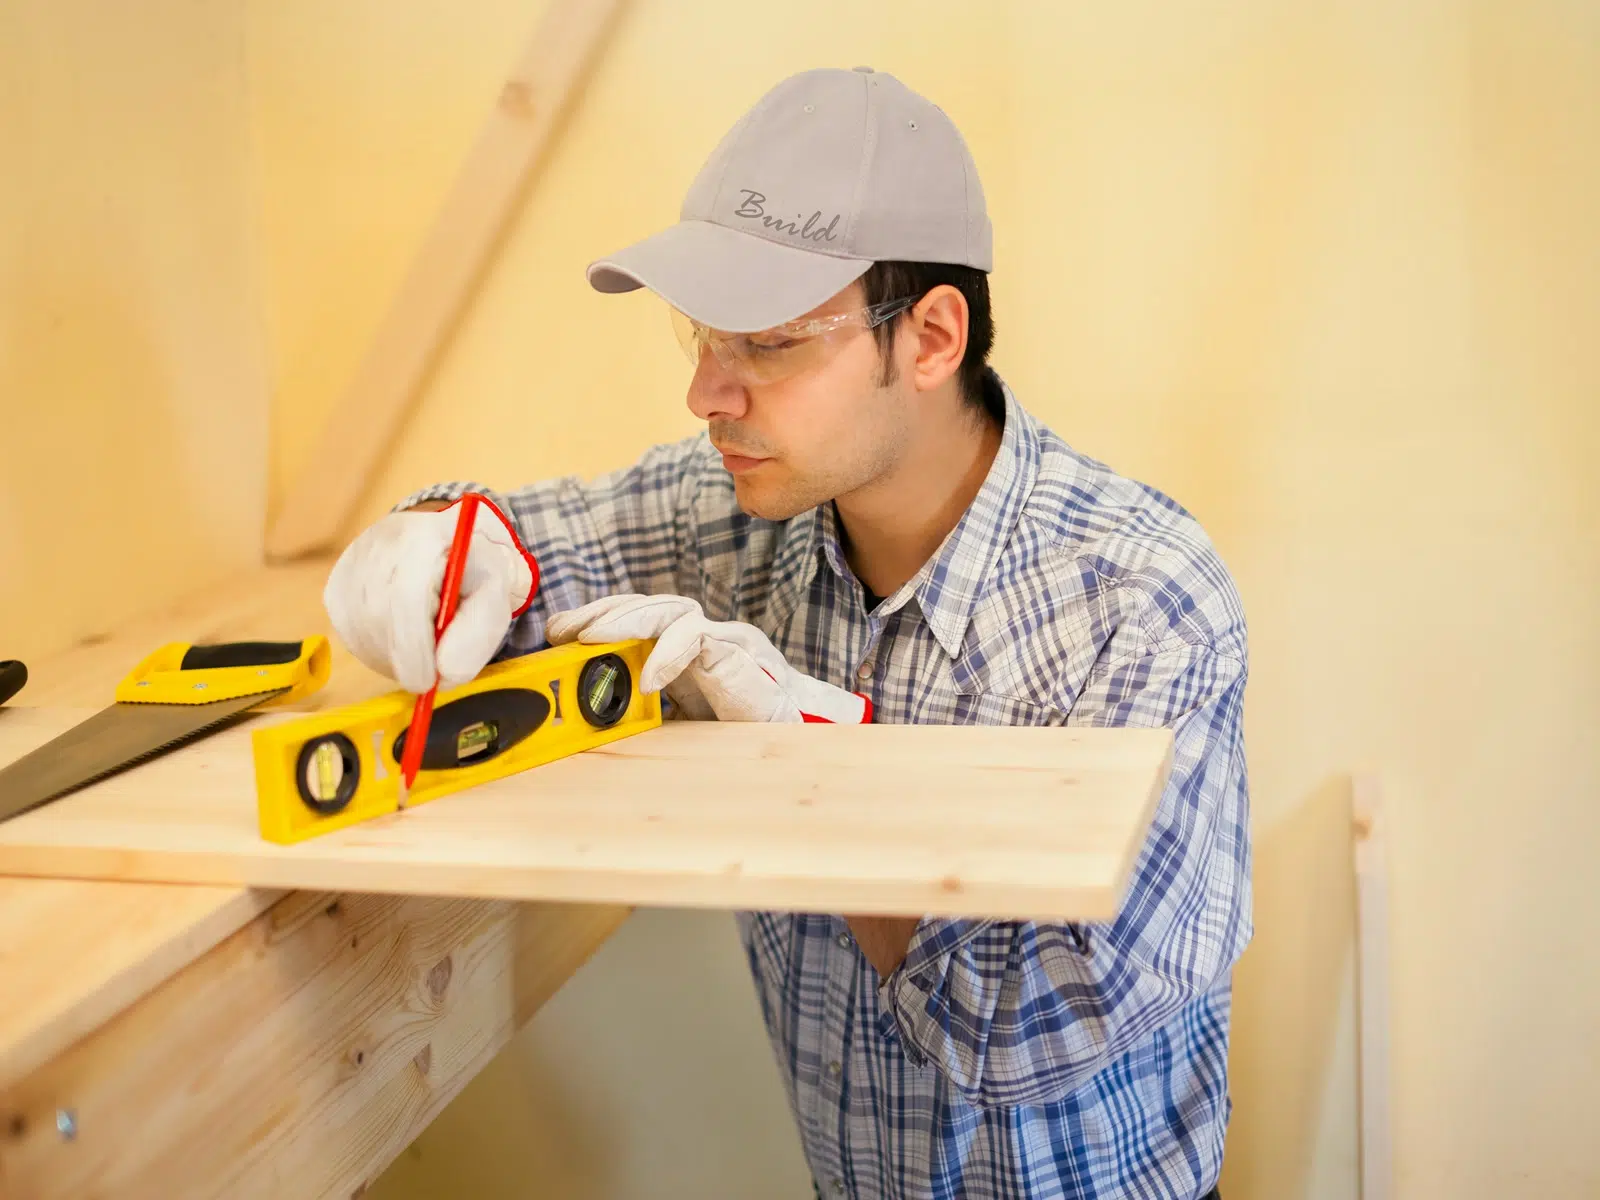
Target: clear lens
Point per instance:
(783, 351)
(688, 336)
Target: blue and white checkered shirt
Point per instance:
(1001, 1058)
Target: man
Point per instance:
(873, 528)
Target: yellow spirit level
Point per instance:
(332, 769)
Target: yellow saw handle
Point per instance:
(185, 673)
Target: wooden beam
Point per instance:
(296, 1059)
(1372, 956)
(362, 427)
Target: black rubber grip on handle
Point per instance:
(12, 676)
(240, 654)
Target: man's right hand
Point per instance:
(382, 596)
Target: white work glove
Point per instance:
(727, 666)
(382, 596)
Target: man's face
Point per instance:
(814, 436)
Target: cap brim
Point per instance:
(726, 279)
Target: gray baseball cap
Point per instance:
(831, 171)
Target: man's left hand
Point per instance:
(730, 666)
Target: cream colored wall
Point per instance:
(1329, 274)
(133, 395)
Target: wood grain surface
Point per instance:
(298, 1057)
(74, 954)
(894, 819)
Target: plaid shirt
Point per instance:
(1002, 1058)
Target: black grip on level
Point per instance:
(240, 654)
(12, 676)
(503, 718)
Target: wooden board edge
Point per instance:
(949, 897)
(1130, 856)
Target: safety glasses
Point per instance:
(784, 350)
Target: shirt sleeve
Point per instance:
(1027, 1012)
(629, 530)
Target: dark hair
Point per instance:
(886, 281)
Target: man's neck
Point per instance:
(897, 523)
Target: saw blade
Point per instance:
(113, 739)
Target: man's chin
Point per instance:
(766, 503)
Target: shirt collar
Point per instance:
(949, 584)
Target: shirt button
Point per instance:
(864, 671)
(834, 1068)
(838, 1187)
(844, 941)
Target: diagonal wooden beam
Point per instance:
(363, 425)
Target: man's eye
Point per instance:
(772, 346)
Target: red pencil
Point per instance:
(449, 597)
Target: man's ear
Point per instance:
(938, 326)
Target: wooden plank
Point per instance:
(363, 425)
(893, 819)
(1372, 973)
(74, 954)
(298, 1058)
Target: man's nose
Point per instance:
(713, 392)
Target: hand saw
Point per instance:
(173, 696)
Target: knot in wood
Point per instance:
(516, 99)
(439, 978)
